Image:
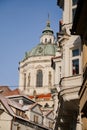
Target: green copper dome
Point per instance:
(42, 50)
(46, 46)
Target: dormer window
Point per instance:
(35, 119)
(18, 127)
(50, 124)
(20, 113)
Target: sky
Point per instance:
(21, 25)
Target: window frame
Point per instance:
(75, 66)
(39, 78)
(74, 6)
(24, 81)
(29, 79)
(73, 58)
(50, 78)
(35, 118)
(74, 2)
(51, 124)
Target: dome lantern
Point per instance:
(47, 34)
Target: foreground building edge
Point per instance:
(80, 28)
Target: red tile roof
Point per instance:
(46, 96)
(4, 90)
(13, 92)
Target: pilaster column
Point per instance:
(79, 123)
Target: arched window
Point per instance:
(24, 81)
(29, 79)
(50, 78)
(46, 40)
(50, 40)
(39, 78)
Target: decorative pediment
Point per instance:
(37, 109)
(39, 67)
(50, 115)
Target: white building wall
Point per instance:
(21, 81)
(39, 117)
(5, 121)
(20, 126)
(72, 43)
(67, 16)
(70, 83)
(67, 10)
(58, 70)
(31, 66)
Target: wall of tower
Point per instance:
(30, 67)
(47, 39)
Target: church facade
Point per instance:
(36, 76)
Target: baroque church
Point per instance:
(36, 76)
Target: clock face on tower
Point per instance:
(40, 49)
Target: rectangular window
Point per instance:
(74, 6)
(75, 61)
(75, 66)
(73, 13)
(18, 127)
(50, 124)
(75, 52)
(35, 119)
(74, 2)
(17, 112)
